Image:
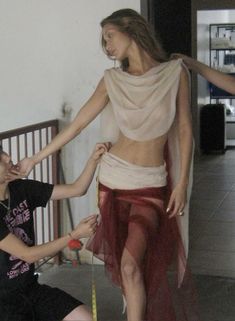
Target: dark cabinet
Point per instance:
(212, 128)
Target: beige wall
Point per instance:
(50, 56)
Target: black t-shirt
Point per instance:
(25, 196)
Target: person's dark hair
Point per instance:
(1, 151)
(136, 27)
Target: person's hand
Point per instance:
(13, 174)
(186, 59)
(85, 228)
(177, 201)
(177, 56)
(25, 166)
(99, 150)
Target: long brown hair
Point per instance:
(136, 27)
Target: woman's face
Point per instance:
(5, 165)
(117, 43)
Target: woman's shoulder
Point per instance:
(112, 70)
(175, 62)
(113, 74)
(184, 69)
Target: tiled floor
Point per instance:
(216, 295)
(212, 215)
(212, 249)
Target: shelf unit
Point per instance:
(222, 57)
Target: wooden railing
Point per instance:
(26, 141)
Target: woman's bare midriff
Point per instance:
(146, 153)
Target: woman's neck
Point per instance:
(140, 62)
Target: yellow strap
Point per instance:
(93, 287)
(94, 303)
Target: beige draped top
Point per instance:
(143, 108)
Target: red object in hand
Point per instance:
(75, 245)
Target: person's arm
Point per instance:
(80, 186)
(183, 114)
(216, 77)
(86, 114)
(14, 246)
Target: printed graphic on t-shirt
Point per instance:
(18, 216)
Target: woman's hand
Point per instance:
(85, 228)
(13, 174)
(99, 150)
(177, 201)
(25, 166)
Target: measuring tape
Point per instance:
(93, 293)
(77, 245)
(93, 286)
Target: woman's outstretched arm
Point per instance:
(85, 115)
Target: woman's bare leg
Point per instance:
(143, 222)
(132, 277)
(80, 313)
(134, 288)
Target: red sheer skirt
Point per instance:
(129, 216)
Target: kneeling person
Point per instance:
(22, 298)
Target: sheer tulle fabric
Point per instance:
(127, 216)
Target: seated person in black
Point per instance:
(22, 298)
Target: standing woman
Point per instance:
(144, 177)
